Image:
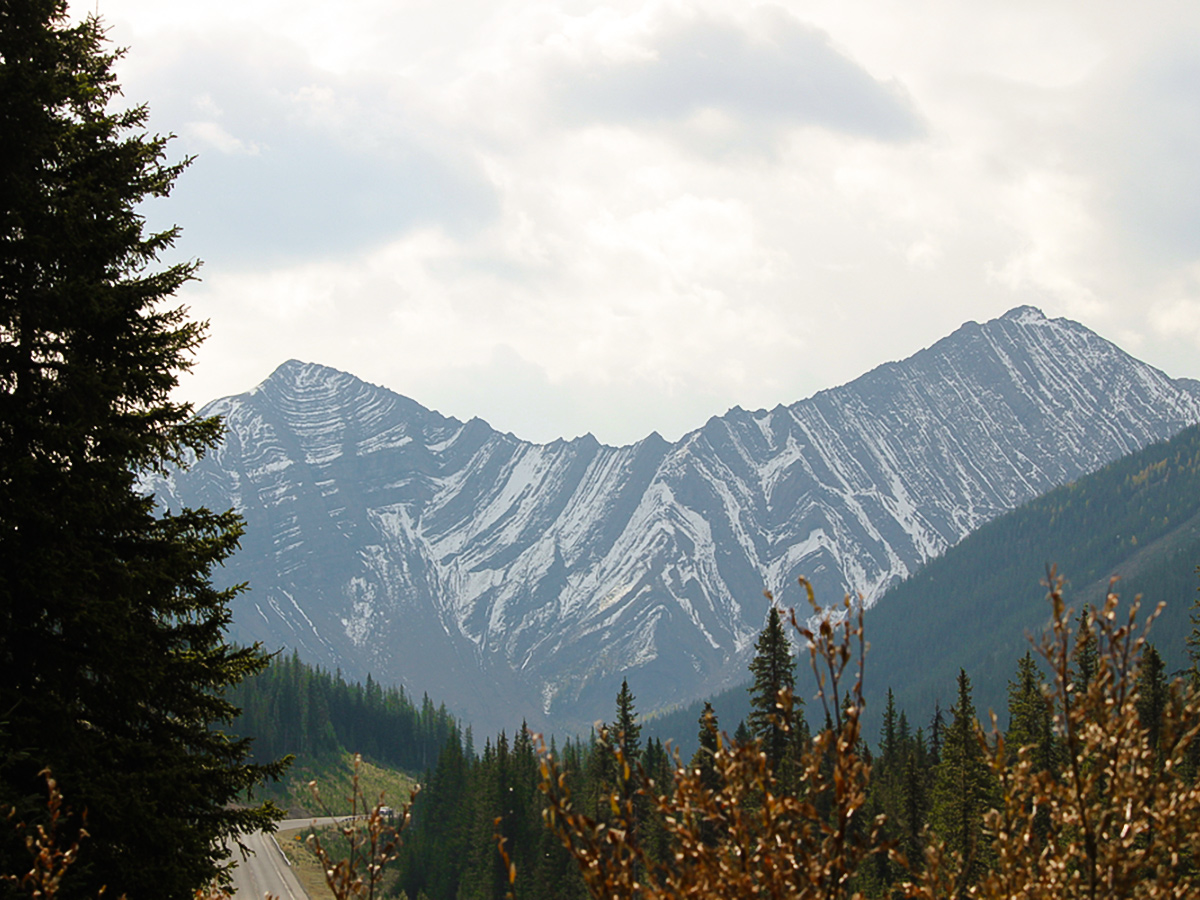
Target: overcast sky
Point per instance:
(626, 217)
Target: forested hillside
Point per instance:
(294, 708)
(1138, 518)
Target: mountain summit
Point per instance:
(515, 580)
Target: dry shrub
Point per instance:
(49, 857)
(750, 836)
(1120, 819)
(369, 841)
(1122, 816)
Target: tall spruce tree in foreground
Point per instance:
(112, 639)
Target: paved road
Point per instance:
(267, 871)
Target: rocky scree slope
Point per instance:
(513, 580)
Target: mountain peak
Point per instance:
(1025, 315)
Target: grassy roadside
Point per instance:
(336, 781)
(335, 785)
(305, 864)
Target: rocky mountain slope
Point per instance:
(513, 579)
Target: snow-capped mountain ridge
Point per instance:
(518, 579)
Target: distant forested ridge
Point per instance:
(295, 708)
(1137, 518)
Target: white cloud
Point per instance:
(570, 216)
(212, 134)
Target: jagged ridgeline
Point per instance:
(516, 580)
(1137, 518)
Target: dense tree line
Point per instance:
(471, 801)
(934, 785)
(294, 708)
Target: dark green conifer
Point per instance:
(964, 788)
(1152, 694)
(703, 762)
(774, 671)
(628, 732)
(741, 734)
(1031, 725)
(113, 658)
(888, 738)
(937, 728)
(914, 800)
(1085, 653)
(709, 738)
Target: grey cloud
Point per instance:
(301, 185)
(1154, 153)
(797, 77)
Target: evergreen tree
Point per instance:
(1193, 638)
(703, 762)
(914, 800)
(433, 850)
(113, 658)
(484, 875)
(654, 838)
(709, 739)
(1027, 707)
(774, 671)
(964, 788)
(741, 734)
(1031, 725)
(1085, 653)
(628, 732)
(1152, 694)
(888, 738)
(627, 737)
(937, 728)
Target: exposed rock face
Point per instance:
(515, 580)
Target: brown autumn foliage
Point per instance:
(769, 842)
(49, 858)
(1121, 819)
